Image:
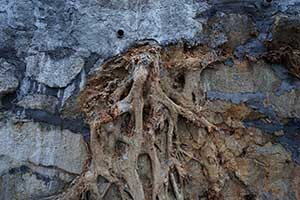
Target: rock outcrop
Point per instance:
(173, 99)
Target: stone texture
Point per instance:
(53, 72)
(61, 42)
(42, 102)
(287, 105)
(93, 24)
(257, 84)
(242, 77)
(42, 145)
(163, 21)
(262, 170)
(32, 182)
(8, 81)
(230, 30)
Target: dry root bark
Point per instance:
(134, 109)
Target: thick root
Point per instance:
(128, 110)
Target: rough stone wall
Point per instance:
(50, 49)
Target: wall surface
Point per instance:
(49, 49)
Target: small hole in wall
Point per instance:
(120, 33)
(267, 3)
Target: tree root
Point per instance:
(139, 96)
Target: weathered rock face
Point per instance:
(41, 102)
(46, 146)
(57, 72)
(37, 160)
(8, 81)
(216, 118)
(32, 182)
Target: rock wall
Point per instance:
(49, 50)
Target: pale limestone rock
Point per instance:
(42, 145)
(53, 72)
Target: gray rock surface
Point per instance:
(48, 48)
(93, 24)
(32, 182)
(8, 81)
(287, 105)
(42, 145)
(41, 102)
(53, 72)
(163, 21)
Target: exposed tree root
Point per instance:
(129, 106)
